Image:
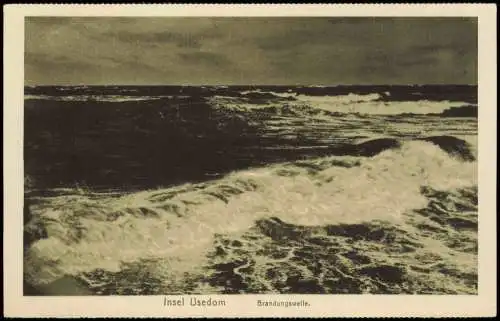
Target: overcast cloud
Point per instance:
(198, 50)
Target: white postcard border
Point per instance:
(483, 304)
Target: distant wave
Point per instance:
(387, 93)
(369, 104)
(103, 98)
(100, 238)
(334, 100)
(299, 105)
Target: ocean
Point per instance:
(142, 190)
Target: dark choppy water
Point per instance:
(161, 190)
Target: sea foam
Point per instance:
(83, 233)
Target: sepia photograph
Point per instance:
(250, 155)
(192, 156)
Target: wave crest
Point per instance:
(370, 104)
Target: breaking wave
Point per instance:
(303, 105)
(397, 217)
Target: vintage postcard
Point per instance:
(250, 160)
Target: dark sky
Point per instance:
(250, 50)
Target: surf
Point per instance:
(74, 234)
